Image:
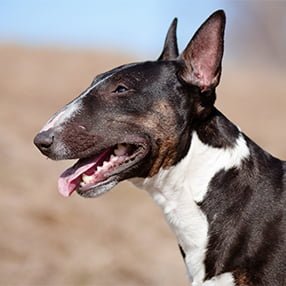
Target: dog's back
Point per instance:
(247, 206)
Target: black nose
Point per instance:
(44, 141)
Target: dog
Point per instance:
(155, 124)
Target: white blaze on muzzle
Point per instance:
(70, 109)
(62, 116)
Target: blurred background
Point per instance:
(49, 52)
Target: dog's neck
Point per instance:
(214, 146)
(179, 189)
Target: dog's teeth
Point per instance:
(99, 169)
(112, 157)
(82, 184)
(120, 150)
(86, 179)
(105, 164)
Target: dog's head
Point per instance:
(137, 118)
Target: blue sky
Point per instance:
(131, 26)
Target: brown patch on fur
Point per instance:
(166, 156)
(161, 118)
(241, 278)
(161, 122)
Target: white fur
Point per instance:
(203, 162)
(69, 110)
(63, 115)
(225, 279)
(177, 191)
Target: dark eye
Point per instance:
(120, 89)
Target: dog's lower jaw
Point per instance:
(100, 189)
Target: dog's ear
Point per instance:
(170, 50)
(203, 55)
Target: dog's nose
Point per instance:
(44, 141)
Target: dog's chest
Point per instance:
(178, 190)
(190, 226)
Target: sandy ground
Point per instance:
(118, 239)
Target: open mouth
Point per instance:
(95, 175)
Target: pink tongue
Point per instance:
(70, 178)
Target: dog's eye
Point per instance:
(120, 89)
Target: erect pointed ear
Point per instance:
(170, 50)
(203, 55)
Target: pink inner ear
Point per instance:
(203, 54)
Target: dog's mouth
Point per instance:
(95, 175)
